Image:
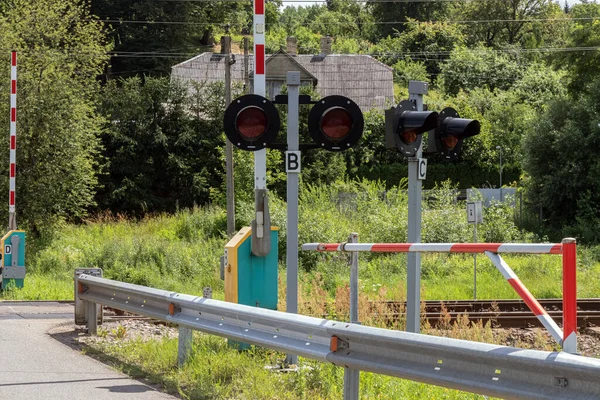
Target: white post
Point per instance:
(260, 156)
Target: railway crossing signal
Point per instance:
(251, 122)
(449, 134)
(404, 127)
(335, 123)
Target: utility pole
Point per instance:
(229, 61)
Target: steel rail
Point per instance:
(488, 369)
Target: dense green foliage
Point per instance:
(60, 53)
(162, 145)
(97, 136)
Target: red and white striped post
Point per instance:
(12, 214)
(260, 156)
(569, 250)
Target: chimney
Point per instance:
(292, 46)
(326, 42)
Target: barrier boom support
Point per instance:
(567, 337)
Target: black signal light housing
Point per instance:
(251, 122)
(448, 138)
(404, 127)
(335, 123)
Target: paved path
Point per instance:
(34, 365)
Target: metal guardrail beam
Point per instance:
(488, 369)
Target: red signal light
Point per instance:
(450, 142)
(450, 133)
(251, 122)
(336, 123)
(404, 127)
(409, 137)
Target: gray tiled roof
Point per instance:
(360, 77)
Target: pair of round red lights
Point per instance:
(252, 122)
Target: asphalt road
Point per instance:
(35, 365)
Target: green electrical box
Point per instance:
(13, 259)
(251, 280)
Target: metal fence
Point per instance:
(488, 369)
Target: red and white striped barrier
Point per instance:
(566, 337)
(12, 221)
(437, 247)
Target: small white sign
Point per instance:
(8, 249)
(422, 169)
(292, 162)
(474, 212)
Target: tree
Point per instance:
(392, 17)
(585, 34)
(427, 42)
(502, 22)
(561, 164)
(61, 52)
(467, 69)
(163, 145)
(151, 36)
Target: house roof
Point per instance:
(365, 80)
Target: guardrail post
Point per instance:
(352, 376)
(184, 345)
(92, 317)
(186, 336)
(569, 250)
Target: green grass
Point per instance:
(216, 371)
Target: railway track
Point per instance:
(501, 313)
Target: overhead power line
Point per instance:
(450, 22)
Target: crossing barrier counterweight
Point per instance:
(567, 337)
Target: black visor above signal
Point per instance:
(251, 122)
(448, 138)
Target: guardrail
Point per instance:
(488, 369)
(567, 337)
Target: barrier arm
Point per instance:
(567, 337)
(526, 295)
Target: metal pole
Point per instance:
(353, 238)
(352, 376)
(230, 193)
(500, 153)
(475, 263)
(416, 91)
(12, 212)
(293, 141)
(246, 57)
